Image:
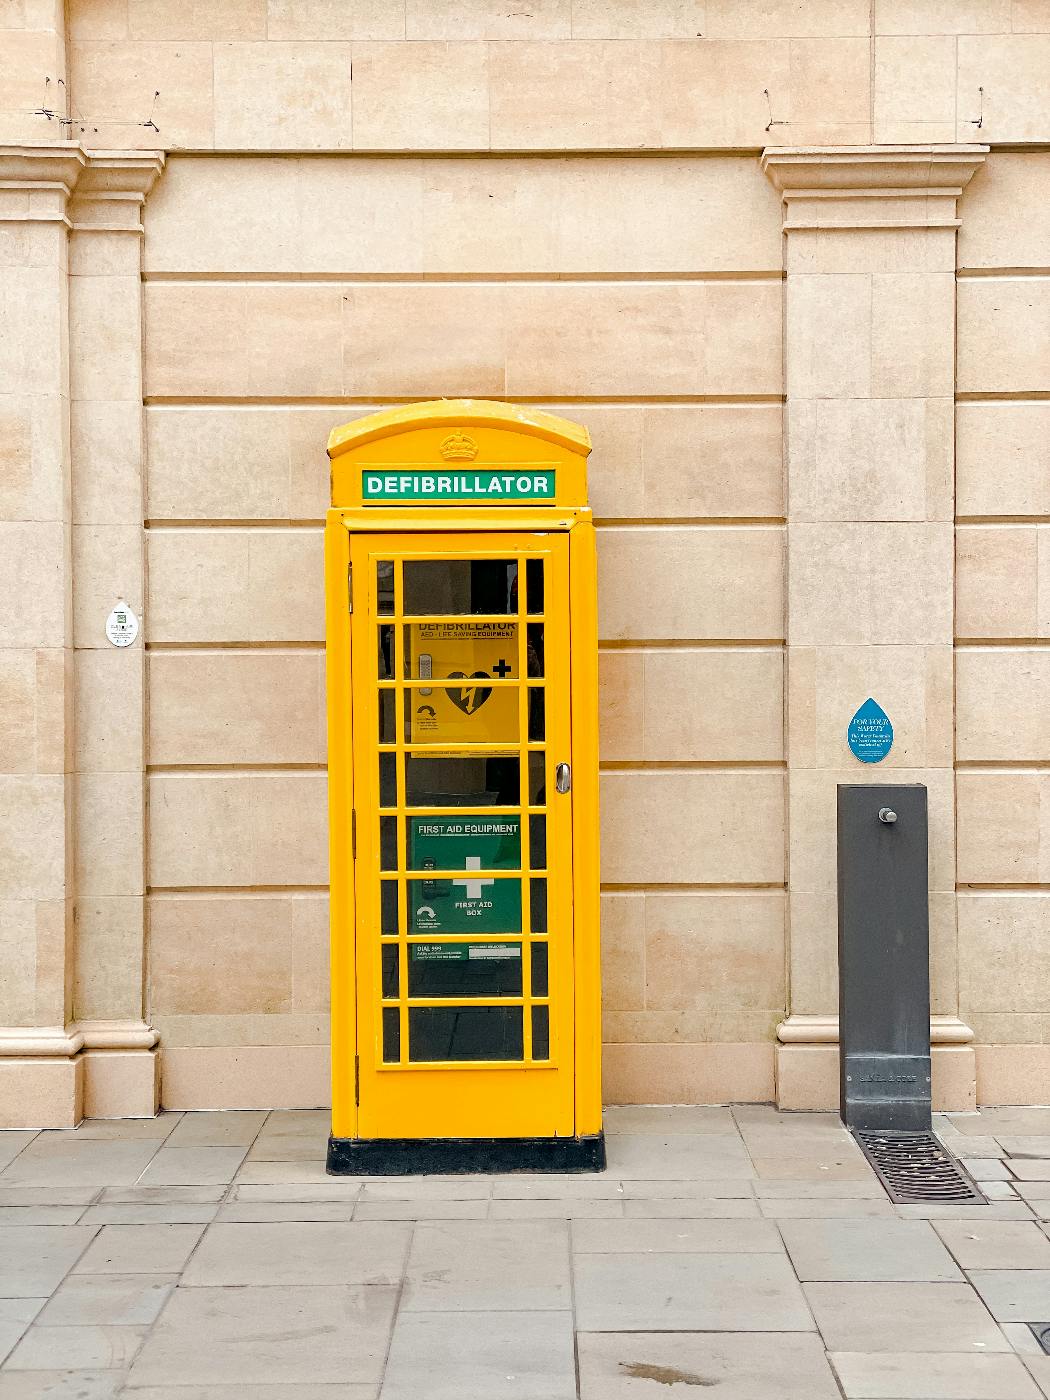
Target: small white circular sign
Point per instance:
(122, 626)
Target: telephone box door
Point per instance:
(463, 817)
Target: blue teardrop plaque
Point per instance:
(870, 733)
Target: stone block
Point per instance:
(421, 96)
(245, 1076)
(39, 1092)
(110, 834)
(685, 1073)
(870, 583)
(1004, 331)
(1014, 70)
(997, 581)
(915, 81)
(238, 707)
(109, 708)
(828, 684)
(1001, 709)
(705, 827)
(235, 585)
(238, 829)
(117, 80)
(121, 1083)
(808, 1078)
(678, 601)
(997, 970)
(679, 705)
(275, 95)
(110, 948)
(1006, 219)
(1000, 459)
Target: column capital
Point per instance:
(112, 190)
(63, 183)
(871, 187)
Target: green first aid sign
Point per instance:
(490, 487)
(473, 902)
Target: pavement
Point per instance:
(742, 1252)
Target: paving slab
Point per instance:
(193, 1166)
(688, 1293)
(279, 1173)
(421, 1210)
(684, 1236)
(540, 1186)
(943, 1376)
(47, 1195)
(328, 1190)
(995, 1210)
(15, 1316)
(261, 1212)
(231, 1128)
(36, 1258)
(1038, 1368)
(1025, 1147)
(275, 1335)
(995, 1122)
(139, 1249)
(656, 1157)
(984, 1169)
(705, 1188)
(863, 1188)
(162, 1195)
(252, 1392)
(825, 1208)
(996, 1244)
(868, 1251)
(1014, 1295)
(831, 1168)
(662, 1120)
(476, 1356)
(488, 1266)
(12, 1142)
(300, 1252)
(71, 1162)
(61, 1385)
(465, 1188)
(735, 1366)
(87, 1348)
(108, 1300)
(579, 1209)
(146, 1213)
(895, 1317)
(1030, 1168)
(157, 1128)
(40, 1215)
(692, 1208)
(300, 1147)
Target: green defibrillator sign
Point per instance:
(475, 902)
(482, 485)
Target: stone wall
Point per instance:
(802, 383)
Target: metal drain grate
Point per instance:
(917, 1167)
(1041, 1332)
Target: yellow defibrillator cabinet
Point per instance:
(463, 789)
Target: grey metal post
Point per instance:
(884, 958)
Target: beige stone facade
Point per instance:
(797, 256)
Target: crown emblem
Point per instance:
(459, 447)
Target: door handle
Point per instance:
(563, 777)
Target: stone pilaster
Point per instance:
(108, 505)
(46, 844)
(870, 375)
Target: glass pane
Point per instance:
(390, 970)
(461, 650)
(387, 717)
(388, 843)
(475, 903)
(391, 1035)
(534, 645)
(387, 780)
(534, 585)
(541, 1033)
(538, 905)
(464, 969)
(388, 920)
(538, 843)
(536, 715)
(464, 1033)
(387, 654)
(539, 970)
(537, 779)
(385, 587)
(461, 782)
(460, 586)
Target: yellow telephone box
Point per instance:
(463, 791)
